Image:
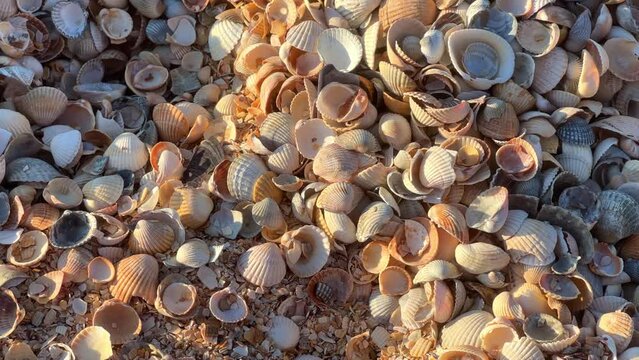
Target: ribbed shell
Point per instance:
(619, 326)
(360, 140)
(334, 163)
(42, 105)
(14, 122)
(119, 319)
(194, 253)
(533, 244)
(92, 342)
(522, 348)
(262, 265)
(304, 35)
(223, 37)
(284, 160)
(31, 171)
(340, 48)
(277, 129)
(306, 250)
(65, 147)
(193, 205)
(151, 237)
(619, 214)
(46, 287)
(549, 69)
(382, 306)
(489, 210)
(149, 8)
(355, 11)
(392, 10)
(74, 262)
(126, 152)
(227, 312)
(340, 227)
(105, 190)
(480, 257)
(41, 216)
(136, 275)
(498, 120)
(339, 197)
(171, 123)
(373, 220)
(243, 174)
(395, 80)
(267, 213)
(283, 332)
(465, 329)
(436, 270)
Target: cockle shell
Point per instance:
(480, 258)
(283, 333)
(340, 48)
(20, 351)
(372, 220)
(126, 152)
(617, 209)
(223, 37)
(102, 191)
(496, 333)
(72, 229)
(262, 265)
(436, 270)
(92, 342)
(505, 305)
(11, 313)
(193, 205)
(470, 352)
(42, 105)
(227, 306)
(119, 319)
(340, 197)
(489, 210)
(151, 237)
(522, 348)
(243, 173)
(394, 280)
(617, 325)
(46, 287)
(74, 262)
(40, 216)
(136, 275)
(176, 297)
(355, 11)
(465, 329)
(30, 249)
(306, 250)
(194, 253)
(62, 193)
(392, 10)
(100, 270)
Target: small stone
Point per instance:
(79, 306)
(50, 317)
(241, 350)
(62, 330)
(36, 319)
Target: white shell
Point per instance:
(341, 48)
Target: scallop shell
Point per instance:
(283, 333)
(46, 287)
(42, 105)
(395, 80)
(480, 258)
(284, 160)
(30, 249)
(171, 123)
(73, 262)
(469, 352)
(11, 313)
(103, 191)
(267, 213)
(100, 270)
(20, 351)
(136, 275)
(193, 205)
(243, 174)
(151, 237)
(533, 244)
(306, 250)
(73, 229)
(126, 152)
(40, 217)
(63, 193)
(619, 326)
(227, 306)
(69, 19)
(543, 328)
(522, 348)
(114, 254)
(340, 48)
(623, 64)
(465, 329)
(262, 265)
(194, 253)
(119, 319)
(92, 342)
(149, 8)
(223, 37)
(115, 23)
(355, 11)
(450, 219)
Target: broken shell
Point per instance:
(73, 262)
(92, 342)
(375, 257)
(227, 306)
(41, 217)
(283, 333)
(119, 319)
(543, 328)
(330, 287)
(11, 313)
(262, 265)
(394, 280)
(136, 275)
(29, 250)
(46, 287)
(489, 210)
(73, 229)
(63, 193)
(619, 326)
(306, 250)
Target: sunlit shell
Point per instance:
(531, 299)
(193, 205)
(339, 197)
(102, 191)
(619, 326)
(480, 258)
(66, 147)
(465, 329)
(30, 249)
(223, 37)
(469, 352)
(20, 351)
(518, 158)
(284, 160)
(623, 64)
(227, 306)
(436, 270)
(171, 123)
(536, 37)
(194, 253)
(489, 210)
(283, 332)
(40, 216)
(176, 297)
(392, 10)
(543, 328)
(496, 334)
(151, 237)
(394, 130)
(42, 105)
(522, 348)
(63, 193)
(92, 342)
(72, 229)
(100, 270)
(372, 220)
(136, 275)
(267, 213)
(119, 319)
(340, 48)
(498, 120)
(395, 79)
(394, 280)
(46, 287)
(355, 11)
(375, 257)
(126, 152)
(330, 287)
(243, 173)
(450, 219)
(262, 265)
(306, 250)
(617, 209)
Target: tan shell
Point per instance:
(102, 192)
(375, 257)
(100, 270)
(417, 242)
(262, 265)
(151, 237)
(20, 351)
(63, 193)
(41, 216)
(531, 299)
(223, 37)
(176, 297)
(496, 334)
(505, 305)
(340, 227)
(468, 352)
(126, 152)
(11, 313)
(193, 205)
(394, 280)
(227, 306)
(382, 306)
(46, 287)
(42, 105)
(489, 210)
(74, 262)
(480, 258)
(392, 10)
(171, 123)
(498, 120)
(267, 213)
(330, 287)
(394, 130)
(29, 250)
(536, 37)
(306, 250)
(623, 64)
(436, 270)
(243, 173)
(311, 135)
(619, 326)
(465, 329)
(119, 319)
(339, 197)
(92, 342)
(533, 244)
(194, 253)
(522, 348)
(283, 332)
(136, 275)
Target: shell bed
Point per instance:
(319, 179)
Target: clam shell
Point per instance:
(115, 23)
(151, 237)
(63, 193)
(277, 130)
(41, 216)
(103, 191)
(617, 210)
(11, 276)
(480, 258)
(359, 140)
(92, 342)
(372, 220)
(171, 123)
(243, 174)
(355, 11)
(126, 152)
(149, 8)
(46, 287)
(536, 37)
(223, 37)
(114, 254)
(394, 280)
(193, 205)
(619, 326)
(112, 231)
(340, 48)
(489, 210)
(42, 105)
(30, 171)
(392, 10)
(194, 253)
(14, 122)
(283, 333)
(20, 350)
(284, 160)
(66, 147)
(533, 244)
(450, 219)
(119, 319)
(304, 36)
(341, 197)
(622, 64)
(335, 163)
(330, 287)
(520, 98)
(465, 329)
(227, 306)
(394, 130)
(267, 213)
(311, 135)
(522, 348)
(375, 257)
(531, 299)
(73, 229)
(136, 275)
(470, 352)
(496, 334)
(262, 265)
(306, 250)
(498, 120)
(436, 270)
(543, 328)
(176, 297)
(395, 80)
(29, 250)
(74, 262)
(382, 306)
(571, 334)
(69, 19)
(100, 270)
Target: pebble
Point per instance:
(79, 306)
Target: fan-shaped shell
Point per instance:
(100, 270)
(151, 237)
(392, 10)
(10, 314)
(46, 287)
(92, 342)
(243, 174)
(283, 332)
(480, 257)
(119, 319)
(465, 329)
(223, 37)
(102, 191)
(63, 193)
(126, 152)
(227, 306)
(136, 275)
(340, 48)
(617, 210)
(489, 210)
(31, 171)
(40, 216)
(619, 326)
(194, 253)
(69, 19)
(262, 265)
(193, 205)
(171, 123)
(42, 105)
(623, 62)
(74, 262)
(66, 147)
(522, 348)
(355, 11)
(543, 328)
(373, 219)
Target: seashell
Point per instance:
(340, 48)
(126, 152)
(496, 334)
(66, 148)
(372, 220)
(283, 332)
(116, 24)
(171, 122)
(41, 217)
(392, 10)
(617, 209)
(330, 287)
(395, 79)
(102, 191)
(465, 329)
(571, 334)
(73, 229)
(11, 276)
(306, 250)
(114, 254)
(359, 140)
(284, 160)
(605, 262)
(489, 210)
(340, 227)
(267, 213)
(469, 352)
(531, 299)
(194, 253)
(450, 219)
(436, 270)
(29, 250)
(311, 135)
(533, 244)
(63, 193)
(225, 223)
(136, 275)
(227, 306)
(120, 320)
(619, 326)
(480, 258)
(149, 8)
(536, 37)
(375, 257)
(262, 265)
(193, 206)
(558, 287)
(355, 12)
(629, 354)
(481, 57)
(69, 19)
(11, 313)
(334, 163)
(341, 197)
(46, 287)
(543, 328)
(20, 350)
(394, 280)
(394, 130)
(622, 64)
(100, 270)
(223, 37)
(151, 237)
(92, 342)
(382, 306)
(14, 122)
(243, 174)
(522, 348)
(176, 297)
(498, 120)
(518, 158)
(42, 105)
(73, 262)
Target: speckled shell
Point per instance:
(262, 265)
(465, 329)
(151, 237)
(42, 105)
(480, 258)
(193, 205)
(223, 310)
(619, 326)
(126, 152)
(283, 332)
(523, 348)
(136, 275)
(92, 342)
(119, 319)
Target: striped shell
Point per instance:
(193, 205)
(262, 265)
(465, 329)
(42, 105)
(136, 275)
(151, 237)
(523, 348)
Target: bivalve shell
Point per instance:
(63, 193)
(340, 48)
(30, 249)
(522, 348)
(136, 275)
(73, 229)
(92, 342)
(306, 250)
(10, 314)
(480, 257)
(43, 104)
(193, 205)
(227, 306)
(119, 319)
(262, 265)
(465, 329)
(194, 253)
(619, 326)
(283, 332)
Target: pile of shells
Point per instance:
(467, 170)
